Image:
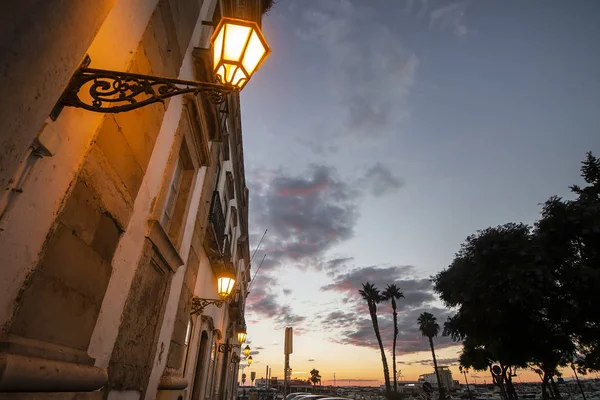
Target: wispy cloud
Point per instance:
(370, 70)
(262, 302)
(310, 212)
(380, 180)
(450, 18)
(429, 361)
(353, 325)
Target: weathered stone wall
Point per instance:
(134, 351)
(109, 183)
(161, 52)
(61, 300)
(41, 45)
(64, 296)
(176, 348)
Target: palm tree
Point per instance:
(371, 294)
(429, 327)
(392, 293)
(314, 378)
(465, 371)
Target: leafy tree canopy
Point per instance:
(529, 295)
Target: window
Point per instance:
(229, 184)
(186, 343)
(226, 204)
(234, 216)
(213, 351)
(188, 333)
(194, 128)
(218, 175)
(178, 196)
(174, 189)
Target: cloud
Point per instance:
(354, 321)
(380, 180)
(254, 352)
(307, 214)
(450, 18)
(262, 302)
(370, 71)
(410, 339)
(335, 265)
(311, 360)
(429, 361)
(417, 291)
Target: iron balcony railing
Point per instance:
(217, 219)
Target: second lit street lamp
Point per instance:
(225, 284)
(238, 49)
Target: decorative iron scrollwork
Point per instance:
(225, 347)
(199, 304)
(114, 92)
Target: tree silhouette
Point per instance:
(372, 296)
(392, 293)
(430, 328)
(314, 377)
(527, 296)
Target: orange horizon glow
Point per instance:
(360, 366)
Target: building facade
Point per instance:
(111, 224)
(445, 378)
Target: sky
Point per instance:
(378, 135)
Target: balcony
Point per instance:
(214, 240)
(236, 307)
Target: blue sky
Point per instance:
(379, 134)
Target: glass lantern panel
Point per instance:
(254, 53)
(236, 37)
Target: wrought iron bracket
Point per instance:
(199, 304)
(113, 91)
(225, 347)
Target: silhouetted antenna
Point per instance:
(252, 281)
(258, 246)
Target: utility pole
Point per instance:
(288, 348)
(334, 384)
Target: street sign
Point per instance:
(288, 348)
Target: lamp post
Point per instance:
(238, 49)
(225, 284)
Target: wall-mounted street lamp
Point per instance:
(249, 360)
(238, 49)
(241, 337)
(225, 284)
(247, 351)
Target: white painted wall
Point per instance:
(24, 229)
(199, 38)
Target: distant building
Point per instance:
(295, 385)
(445, 378)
